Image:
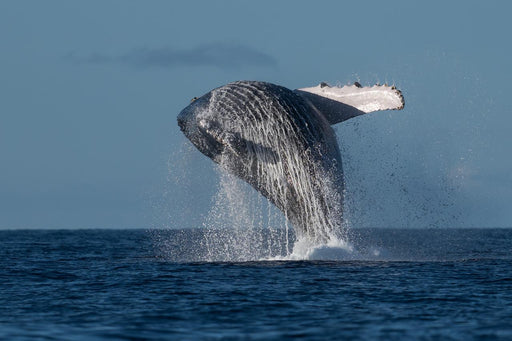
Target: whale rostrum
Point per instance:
(281, 142)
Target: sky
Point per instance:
(90, 91)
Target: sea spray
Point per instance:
(243, 226)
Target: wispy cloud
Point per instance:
(220, 55)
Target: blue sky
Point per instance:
(89, 94)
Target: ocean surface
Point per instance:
(430, 284)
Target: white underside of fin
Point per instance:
(366, 99)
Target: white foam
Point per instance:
(334, 249)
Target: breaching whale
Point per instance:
(281, 142)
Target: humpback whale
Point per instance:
(281, 142)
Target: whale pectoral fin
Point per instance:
(339, 104)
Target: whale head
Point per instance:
(216, 130)
(195, 121)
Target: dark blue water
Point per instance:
(122, 284)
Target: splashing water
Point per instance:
(243, 226)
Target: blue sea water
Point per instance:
(431, 284)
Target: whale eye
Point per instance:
(193, 99)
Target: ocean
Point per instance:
(394, 284)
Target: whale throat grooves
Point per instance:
(287, 151)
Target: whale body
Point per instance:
(281, 142)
